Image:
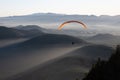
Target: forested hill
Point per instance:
(106, 70)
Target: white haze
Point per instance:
(20, 63)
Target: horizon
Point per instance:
(59, 14)
(80, 7)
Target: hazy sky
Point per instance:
(97, 7)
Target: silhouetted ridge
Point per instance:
(102, 36)
(48, 39)
(28, 27)
(106, 70)
(10, 33)
(94, 51)
(7, 33)
(30, 30)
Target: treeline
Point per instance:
(106, 70)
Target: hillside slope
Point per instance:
(106, 70)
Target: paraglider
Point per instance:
(73, 21)
(73, 43)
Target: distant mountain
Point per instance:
(45, 18)
(50, 14)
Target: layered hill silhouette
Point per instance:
(62, 57)
(39, 42)
(94, 52)
(63, 68)
(52, 39)
(107, 39)
(102, 36)
(69, 66)
(30, 30)
(52, 17)
(29, 27)
(106, 70)
(24, 55)
(10, 33)
(6, 33)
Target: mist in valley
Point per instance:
(32, 48)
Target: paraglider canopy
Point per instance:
(72, 21)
